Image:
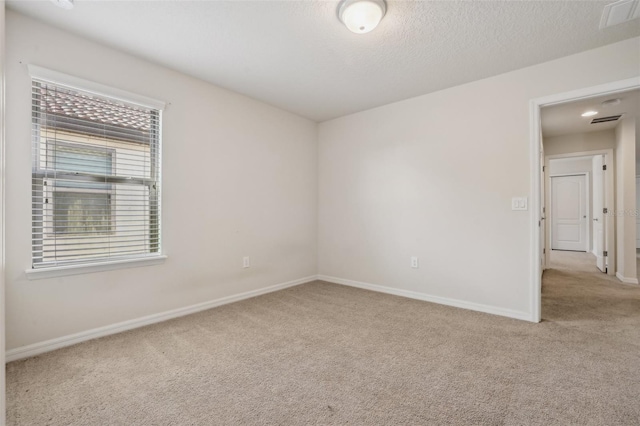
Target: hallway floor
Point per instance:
(576, 294)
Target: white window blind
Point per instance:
(95, 177)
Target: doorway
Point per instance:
(579, 187)
(606, 96)
(637, 211)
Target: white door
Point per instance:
(569, 213)
(638, 212)
(598, 213)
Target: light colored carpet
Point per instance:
(326, 354)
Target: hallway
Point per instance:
(577, 295)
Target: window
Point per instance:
(80, 208)
(82, 213)
(95, 177)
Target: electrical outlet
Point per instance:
(414, 262)
(246, 263)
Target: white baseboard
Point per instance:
(72, 339)
(625, 279)
(434, 299)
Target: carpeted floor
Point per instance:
(326, 354)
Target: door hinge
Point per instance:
(543, 169)
(605, 253)
(544, 251)
(605, 210)
(544, 210)
(604, 167)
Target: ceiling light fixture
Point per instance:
(361, 16)
(65, 4)
(589, 113)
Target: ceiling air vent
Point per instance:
(617, 13)
(606, 119)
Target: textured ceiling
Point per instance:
(298, 56)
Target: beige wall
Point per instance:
(579, 142)
(433, 177)
(626, 199)
(239, 179)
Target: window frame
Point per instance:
(154, 199)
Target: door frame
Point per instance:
(535, 171)
(549, 215)
(3, 404)
(637, 204)
(609, 200)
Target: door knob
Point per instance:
(595, 219)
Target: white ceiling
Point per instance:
(564, 119)
(298, 56)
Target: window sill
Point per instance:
(87, 268)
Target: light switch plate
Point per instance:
(519, 203)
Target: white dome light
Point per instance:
(361, 16)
